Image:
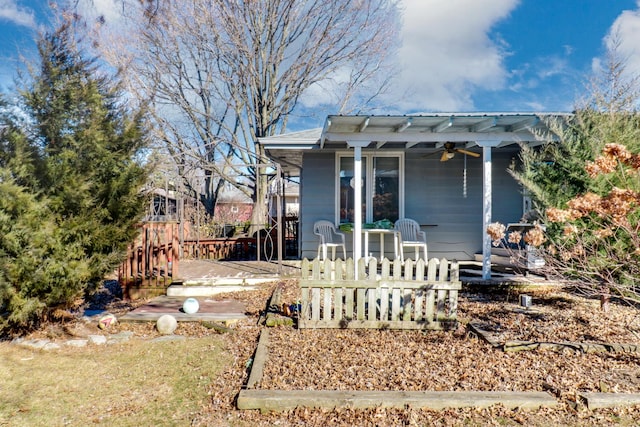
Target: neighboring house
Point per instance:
(233, 212)
(290, 194)
(232, 207)
(411, 166)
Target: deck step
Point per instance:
(209, 287)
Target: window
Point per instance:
(382, 185)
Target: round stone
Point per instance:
(190, 306)
(107, 321)
(166, 324)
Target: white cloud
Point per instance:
(447, 52)
(326, 92)
(552, 66)
(529, 76)
(110, 10)
(627, 29)
(11, 11)
(317, 95)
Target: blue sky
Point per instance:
(457, 55)
(509, 55)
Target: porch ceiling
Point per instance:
(417, 134)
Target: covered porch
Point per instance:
(449, 172)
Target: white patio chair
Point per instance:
(411, 236)
(329, 238)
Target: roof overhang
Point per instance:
(417, 134)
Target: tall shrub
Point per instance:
(71, 181)
(586, 187)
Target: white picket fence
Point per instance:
(409, 295)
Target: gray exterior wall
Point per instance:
(317, 198)
(433, 197)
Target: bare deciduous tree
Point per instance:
(219, 74)
(613, 88)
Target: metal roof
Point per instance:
(412, 133)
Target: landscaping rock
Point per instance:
(107, 321)
(51, 346)
(97, 339)
(166, 324)
(120, 337)
(77, 330)
(37, 344)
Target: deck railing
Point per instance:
(391, 295)
(153, 257)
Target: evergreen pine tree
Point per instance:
(71, 182)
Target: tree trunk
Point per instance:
(259, 213)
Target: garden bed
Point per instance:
(437, 361)
(340, 359)
(370, 360)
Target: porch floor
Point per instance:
(209, 272)
(214, 271)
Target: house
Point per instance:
(446, 171)
(232, 207)
(290, 193)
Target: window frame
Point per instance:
(369, 180)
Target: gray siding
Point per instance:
(317, 197)
(433, 197)
(453, 223)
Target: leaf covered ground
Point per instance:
(414, 360)
(454, 360)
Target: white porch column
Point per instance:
(486, 205)
(357, 200)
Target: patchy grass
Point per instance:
(131, 384)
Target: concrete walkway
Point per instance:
(209, 311)
(201, 279)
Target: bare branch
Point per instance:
(218, 74)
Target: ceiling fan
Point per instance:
(450, 150)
